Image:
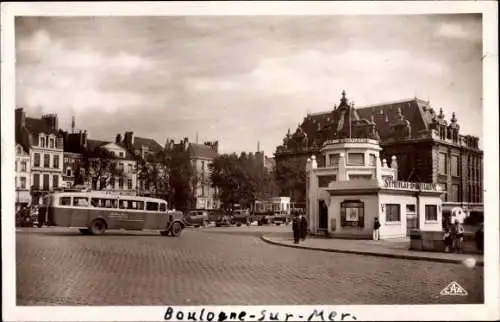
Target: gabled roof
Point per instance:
(201, 151)
(151, 144)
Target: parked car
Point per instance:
(214, 214)
(281, 218)
(241, 217)
(263, 218)
(197, 218)
(224, 220)
(23, 218)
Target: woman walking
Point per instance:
(376, 226)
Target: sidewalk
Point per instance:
(384, 248)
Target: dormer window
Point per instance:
(51, 145)
(42, 142)
(121, 154)
(19, 151)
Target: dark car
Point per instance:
(281, 218)
(23, 218)
(264, 218)
(241, 217)
(224, 220)
(197, 218)
(213, 215)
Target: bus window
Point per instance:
(65, 201)
(124, 204)
(80, 202)
(95, 202)
(109, 203)
(163, 206)
(131, 204)
(151, 206)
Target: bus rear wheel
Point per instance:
(176, 229)
(97, 227)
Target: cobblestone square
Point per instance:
(219, 267)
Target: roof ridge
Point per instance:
(380, 104)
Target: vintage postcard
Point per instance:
(238, 161)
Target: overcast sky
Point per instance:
(241, 79)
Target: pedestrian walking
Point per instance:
(303, 227)
(448, 242)
(296, 229)
(376, 226)
(459, 236)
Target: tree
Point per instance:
(100, 169)
(241, 180)
(181, 179)
(153, 173)
(291, 177)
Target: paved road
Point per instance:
(215, 267)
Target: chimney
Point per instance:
(51, 121)
(185, 143)
(20, 118)
(73, 123)
(83, 139)
(129, 140)
(118, 138)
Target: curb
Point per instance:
(356, 252)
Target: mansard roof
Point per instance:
(202, 151)
(38, 126)
(416, 111)
(151, 144)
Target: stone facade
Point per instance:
(23, 176)
(43, 139)
(366, 189)
(410, 130)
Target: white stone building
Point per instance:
(355, 186)
(23, 175)
(125, 163)
(45, 143)
(201, 156)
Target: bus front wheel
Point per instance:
(176, 229)
(97, 227)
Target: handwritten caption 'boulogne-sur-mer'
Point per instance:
(263, 315)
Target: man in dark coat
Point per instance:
(296, 229)
(303, 227)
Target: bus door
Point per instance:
(79, 211)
